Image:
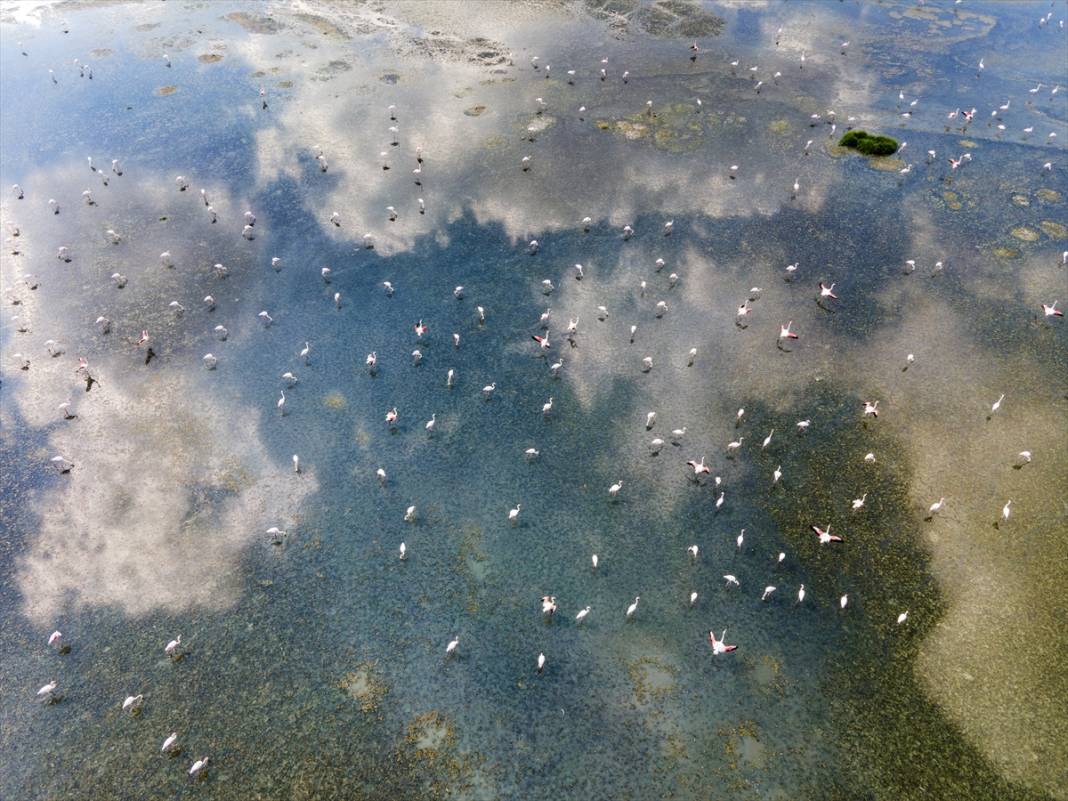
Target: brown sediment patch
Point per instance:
(676, 128)
(254, 23)
(285, 84)
(364, 686)
(542, 123)
(146, 26)
(1005, 253)
(632, 130)
(952, 200)
(652, 679)
(741, 744)
(209, 58)
(474, 111)
(329, 70)
(430, 735)
(321, 24)
(1048, 195)
(886, 163)
(163, 91)
(1054, 230)
(766, 673)
(473, 565)
(1021, 200)
(440, 46)
(662, 18)
(334, 400)
(1025, 234)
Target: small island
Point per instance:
(869, 144)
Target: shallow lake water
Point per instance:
(314, 667)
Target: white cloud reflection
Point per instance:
(172, 480)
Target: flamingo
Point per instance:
(700, 467)
(825, 535)
(719, 646)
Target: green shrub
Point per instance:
(869, 144)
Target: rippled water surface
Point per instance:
(312, 665)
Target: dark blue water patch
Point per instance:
(130, 121)
(746, 28)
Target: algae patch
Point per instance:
(1053, 230)
(364, 686)
(334, 400)
(254, 23)
(676, 128)
(868, 144)
(652, 679)
(430, 734)
(886, 164)
(541, 123)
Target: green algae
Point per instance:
(868, 144)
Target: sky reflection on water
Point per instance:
(315, 669)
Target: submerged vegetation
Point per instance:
(869, 144)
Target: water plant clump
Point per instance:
(869, 144)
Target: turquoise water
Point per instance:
(316, 668)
